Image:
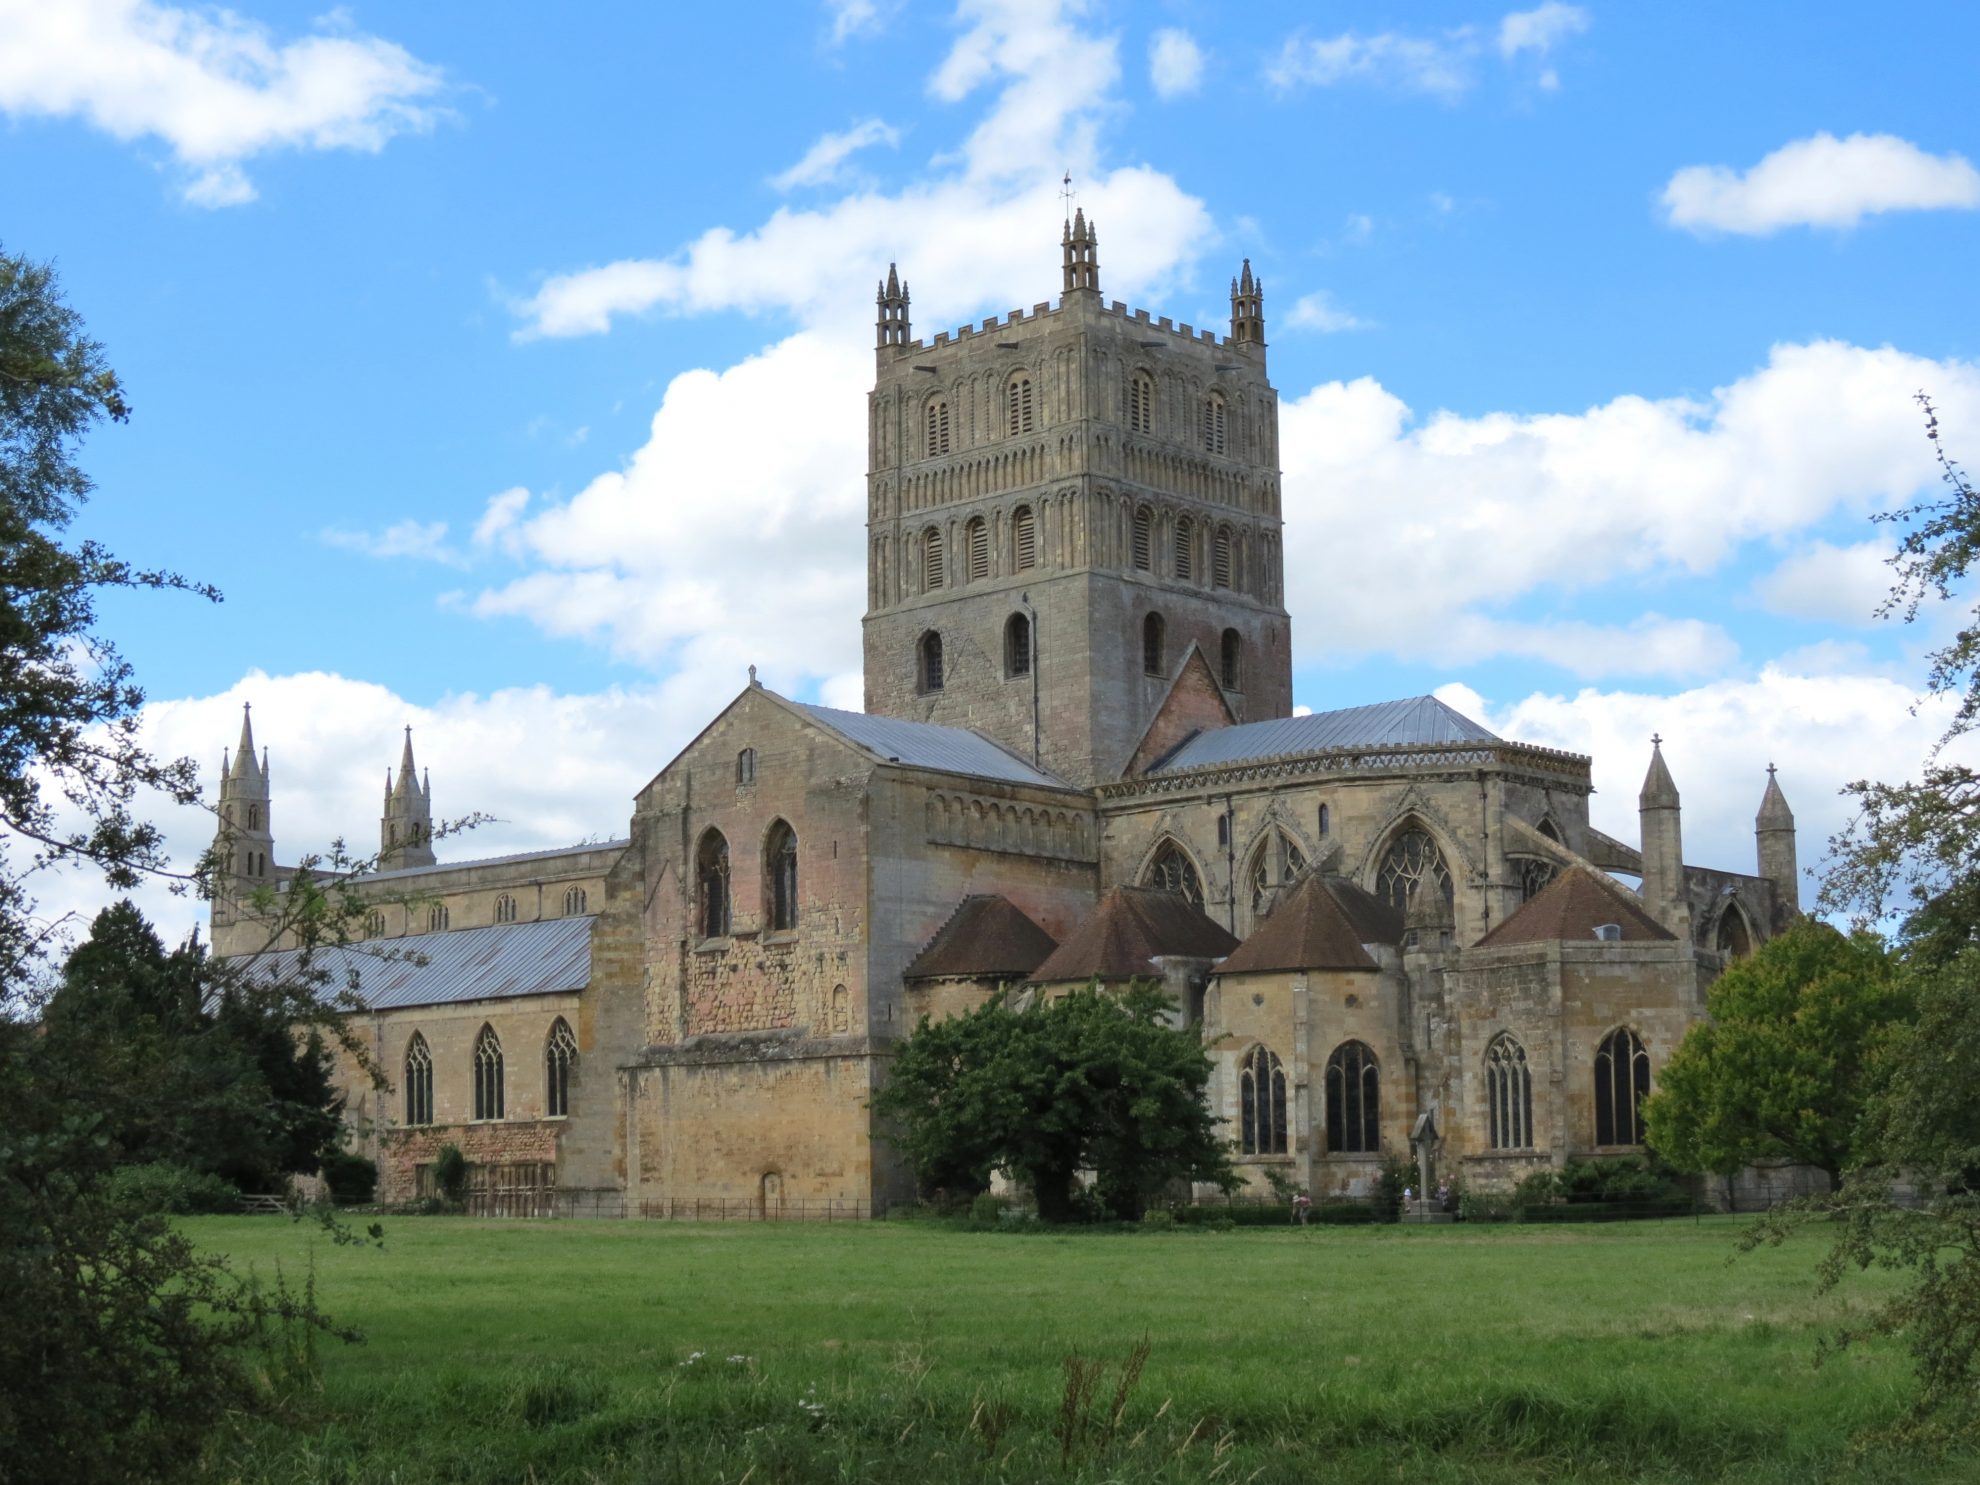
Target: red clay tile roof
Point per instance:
(1319, 923)
(986, 937)
(1571, 906)
(1126, 931)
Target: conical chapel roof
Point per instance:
(1127, 931)
(1571, 907)
(1321, 922)
(986, 937)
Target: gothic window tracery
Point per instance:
(419, 1081)
(1508, 1095)
(928, 662)
(436, 918)
(1534, 875)
(1017, 646)
(1413, 863)
(488, 1074)
(1151, 645)
(1262, 1104)
(574, 901)
(1354, 1101)
(780, 861)
(1173, 871)
(559, 1057)
(711, 871)
(1622, 1082)
(1277, 863)
(1024, 539)
(505, 909)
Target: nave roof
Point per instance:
(928, 745)
(1412, 722)
(499, 962)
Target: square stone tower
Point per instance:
(1059, 506)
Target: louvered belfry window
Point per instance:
(1141, 403)
(938, 426)
(1220, 558)
(1143, 536)
(931, 559)
(1185, 549)
(977, 534)
(1024, 529)
(1214, 424)
(1018, 398)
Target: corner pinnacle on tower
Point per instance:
(892, 328)
(1247, 309)
(1081, 243)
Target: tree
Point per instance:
(1092, 1081)
(1786, 1061)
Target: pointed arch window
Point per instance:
(745, 768)
(1413, 864)
(1508, 1095)
(437, 918)
(1215, 422)
(488, 1074)
(711, 874)
(559, 1057)
(931, 560)
(928, 662)
(1173, 871)
(1734, 940)
(938, 426)
(1141, 403)
(419, 1081)
(575, 899)
(505, 909)
(1534, 875)
(1024, 539)
(780, 872)
(1144, 550)
(976, 541)
(254, 817)
(1017, 646)
(374, 925)
(1262, 1104)
(1017, 399)
(1233, 660)
(1277, 863)
(1325, 821)
(1185, 549)
(1622, 1082)
(1151, 645)
(1354, 1101)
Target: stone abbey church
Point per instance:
(1078, 759)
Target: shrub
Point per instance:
(1158, 1219)
(1014, 1219)
(1397, 1174)
(352, 1179)
(987, 1208)
(1487, 1206)
(169, 1189)
(450, 1173)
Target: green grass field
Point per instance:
(561, 1352)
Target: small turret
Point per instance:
(405, 830)
(892, 328)
(1247, 309)
(1658, 814)
(1773, 838)
(1081, 244)
(244, 840)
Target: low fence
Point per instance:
(609, 1203)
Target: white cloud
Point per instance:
(852, 18)
(217, 88)
(499, 520)
(1821, 181)
(823, 161)
(1411, 537)
(1317, 311)
(1840, 585)
(1540, 29)
(1175, 63)
(1821, 729)
(1440, 66)
(426, 540)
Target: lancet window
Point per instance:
(711, 870)
(1262, 1104)
(488, 1074)
(928, 662)
(780, 870)
(437, 918)
(419, 1081)
(1354, 1101)
(505, 909)
(574, 901)
(559, 1057)
(1017, 645)
(1622, 1082)
(1151, 645)
(1233, 661)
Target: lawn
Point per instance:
(630, 1351)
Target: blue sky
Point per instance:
(1594, 324)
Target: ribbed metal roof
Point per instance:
(496, 963)
(925, 745)
(1418, 720)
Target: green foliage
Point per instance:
(450, 1173)
(1091, 1081)
(174, 1190)
(352, 1179)
(1398, 1175)
(1787, 1058)
(1158, 1219)
(986, 1208)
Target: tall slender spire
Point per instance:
(405, 830)
(1773, 841)
(245, 764)
(1660, 819)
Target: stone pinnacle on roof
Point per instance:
(1659, 789)
(1774, 812)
